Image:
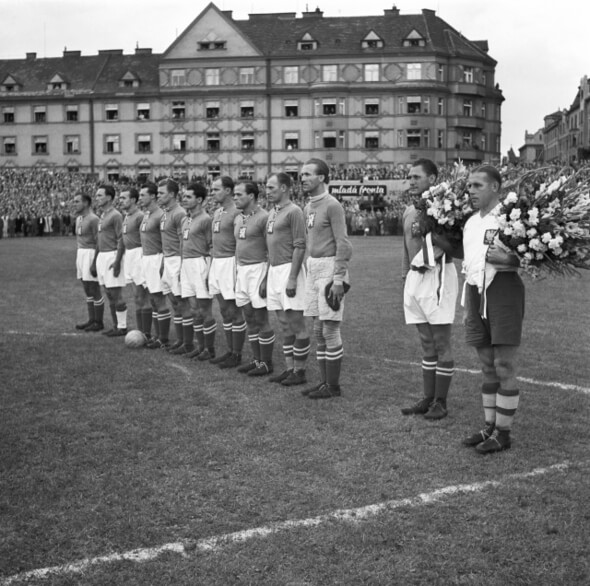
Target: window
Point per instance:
(329, 139)
(247, 141)
(247, 172)
(441, 107)
(372, 107)
(58, 85)
(467, 107)
(307, 45)
(467, 139)
(40, 145)
(213, 142)
(9, 145)
(371, 72)
(329, 73)
(440, 139)
(400, 138)
(426, 105)
(291, 108)
(441, 73)
(72, 113)
(483, 109)
(144, 143)
(426, 137)
(341, 139)
(72, 144)
(111, 112)
(179, 142)
(127, 83)
(413, 138)
(39, 114)
(372, 44)
(414, 104)
(178, 110)
(8, 115)
(246, 75)
(414, 71)
(143, 111)
(291, 74)
(329, 107)
(213, 171)
(291, 141)
(372, 139)
(212, 76)
(112, 143)
(484, 78)
(468, 74)
(247, 108)
(177, 77)
(211, 45)
(212, 109)
(483, 142)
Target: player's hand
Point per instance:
(500, 258)
(337, 291)
(93, 270)
(291, 289)
(161, 270)
(262, 289)
(116, 266)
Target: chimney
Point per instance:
(72, 53)
(393, 12)
(31, 56)
(140, 51)
(110, 51)
(317, 13)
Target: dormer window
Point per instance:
(372, 41)
(307, 43)
(414, 39)
(129, 80)
(57, 82)
(10, 84)
(211, 43)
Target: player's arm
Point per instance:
(405, 254)
(447, 246)
(118, 227)
(343, 249)
(94, 228)
(298, 236)
(501, 259)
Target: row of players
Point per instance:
(179, 259)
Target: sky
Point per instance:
(540, 46)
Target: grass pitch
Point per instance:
(105, 449)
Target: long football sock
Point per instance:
(99, 310)
(488, 399)
(156, 324)
(164, 319)
(121, 313)
(238, 337)
(199, 335)
(333, 365)
(429, 375)
(227, 328)
(90, 308)
(320, 353)
(209, 328)
(254, 345)
(506, 406)
(266, 340)
(444, 376)
(146, 322)
(187, 332)
(288, 343)
(301, 348)
(139, 319)
(178, 328)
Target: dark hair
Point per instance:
(282, 179)
(492, 173)
(429, 167)
(86, 199)
(198, 189)
(133, 193)
(151, 188)
(251, 188)
(321, 168)
(226, 182)
(171, 186)
(108, 189)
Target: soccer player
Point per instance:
(329, 252)
(131, 241)
(108, 262)
(196, 259)
(494, 311)
(171, 229)
(427, 304)
(285, 282)
(252, 264)
(222, 273)
(87, 241)
(152, 264)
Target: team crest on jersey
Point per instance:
(270, 227)
(125, 229)
(217, 226)
(162, 224)
(144, 227)
(242, 233)
(489, 236)
(185, 234)
(100, 226)
(416, 230)
(311, 219)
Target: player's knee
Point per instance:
(318, 332)
(332, 334)
(120, 306)
(504, 368)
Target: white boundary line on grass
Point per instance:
(213, 544)
(41, 334)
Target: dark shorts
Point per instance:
(505, 312)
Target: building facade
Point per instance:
(243, 97)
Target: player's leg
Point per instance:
(113, 311)
(187, 346)
(301, 347)
(288, 341)
(266, 339)
(205, 328)
(226, 308)
(445, 368)
(89, 306)
(164, 318)
(252, 331)
(120, 311)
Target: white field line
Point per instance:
(532, 381)
(43, 334)
(216, 543)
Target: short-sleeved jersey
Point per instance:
(149, 232)
(479, 233)
(285, 232)
(87, 231)
(131, 230)
(171, 228)
(110, 230)
(326, 232)
(196, 236)
(250, 235)
(224, 241)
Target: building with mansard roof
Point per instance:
(243, 97)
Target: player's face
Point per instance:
(242, 199)
(125, 200)
(189, 200)
(311, 182)
(218, 192)
(275, 192)
(164, 196)
(78, 205)
(483, 192)
(102, 198)
(145, 199)
(420, 181)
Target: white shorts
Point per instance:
(84, 259)
(134, 267)
(248, 282)
(193, 277)
(151, 272)
(320, 271)
(222, 277)
(276, 289)
(171, 276)
(421, 296)
(106, 277)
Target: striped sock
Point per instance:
(320, 352)
(266, 341)
(90, 308)
(113, 314)
(444, 376)
(99, 310)
(227, 328)
(429, 375)
(156, 324)
(506, 405)
(198, 332)
(164, 319)
(178, 328)
(238, 337)
(488, 398)
(333, 365)
(288, 343)
(187, 332)
(209, 328)
(301, 349)
(121, 318)
(254, 345)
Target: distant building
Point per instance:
(243, 97)
(532, 149)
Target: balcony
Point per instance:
(467, 121)
(468, 154)
(471, 89)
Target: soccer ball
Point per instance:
(135, 339)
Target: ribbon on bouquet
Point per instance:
(424, 261)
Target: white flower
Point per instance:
(533, 215)
(447, 205)
(511, 198)
(519, 229)
(521, 248)
(531, 232)
(546, 238)
(508, 231)
(515, 214)
(539, 256)
(536, 244)
(528, 255)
